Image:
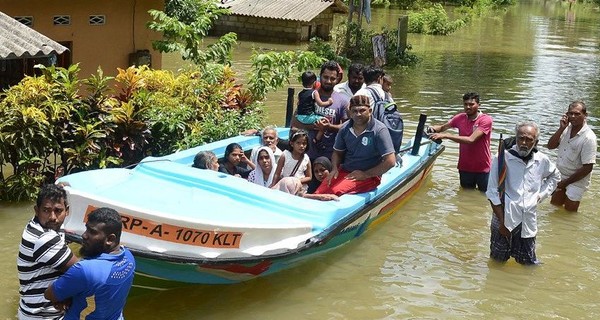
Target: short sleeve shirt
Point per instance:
(364, 151)
(574, 152)
(105, 280)
(476, 157)
(336, 114)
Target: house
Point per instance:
(21, 48)
(279, 20)
(106, 33)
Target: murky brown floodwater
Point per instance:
(431, 259)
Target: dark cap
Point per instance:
(360, 101)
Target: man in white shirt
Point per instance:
(373, 79)
(576, 144)
(530, 177)
(355, 82)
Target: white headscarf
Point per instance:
(256, 176)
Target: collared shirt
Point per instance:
(366, 92)
(574, 152)
(475, 157)
(526, 185)
(366, 150)
(344, 89)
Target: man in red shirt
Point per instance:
(474, 135)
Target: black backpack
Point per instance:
(387, 112)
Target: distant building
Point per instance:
(106, 33)
(279, 20)
(21, 48)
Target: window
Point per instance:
(61, 20)
(26, 20)
(97, 19)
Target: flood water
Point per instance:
(430, 260)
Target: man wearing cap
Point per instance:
(362, 153)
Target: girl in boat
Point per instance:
(232, 163)
(294, 162)
(265, 167)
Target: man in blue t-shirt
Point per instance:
(363, 152)
(96, 287)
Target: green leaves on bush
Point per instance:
(47, 128)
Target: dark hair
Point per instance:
(230, 148)
(471, 96)
(297, 135)
(578, 103)
(308, 78)
(331, 66)
(111, 219)
(51, 192)
(372, 73)
(356, 68)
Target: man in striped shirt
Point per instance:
(43, 254)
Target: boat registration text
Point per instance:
(177, 234)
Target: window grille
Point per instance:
(61, 20)
(97, 19)
(26, 20)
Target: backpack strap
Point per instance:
(378, 113)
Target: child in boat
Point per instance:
(294, 161)
(306, 102)
(233, 160)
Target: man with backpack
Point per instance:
(383, 110)
(474, 135)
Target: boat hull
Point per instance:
(158, 270)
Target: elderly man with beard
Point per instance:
(97, 286)
(530, 177)
(43, 253)
(334, 115)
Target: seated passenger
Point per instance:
(321, 168)
(231, 163)
(363, 152)
(270, 139)
(265, 167)
(295, 162)
(292, 185)
(206, 160)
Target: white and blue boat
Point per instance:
(190, 226)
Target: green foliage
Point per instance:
(433, 20)
(47, 128)
(184, 26)
(271, 70)
(362, 48)
(325, 50)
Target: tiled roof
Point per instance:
(298, 10)
(19, 41)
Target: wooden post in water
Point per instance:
(350, 13)
(289, 107)
(419, 134)
(402, 33)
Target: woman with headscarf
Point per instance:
(321, 168)
(265, 167)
